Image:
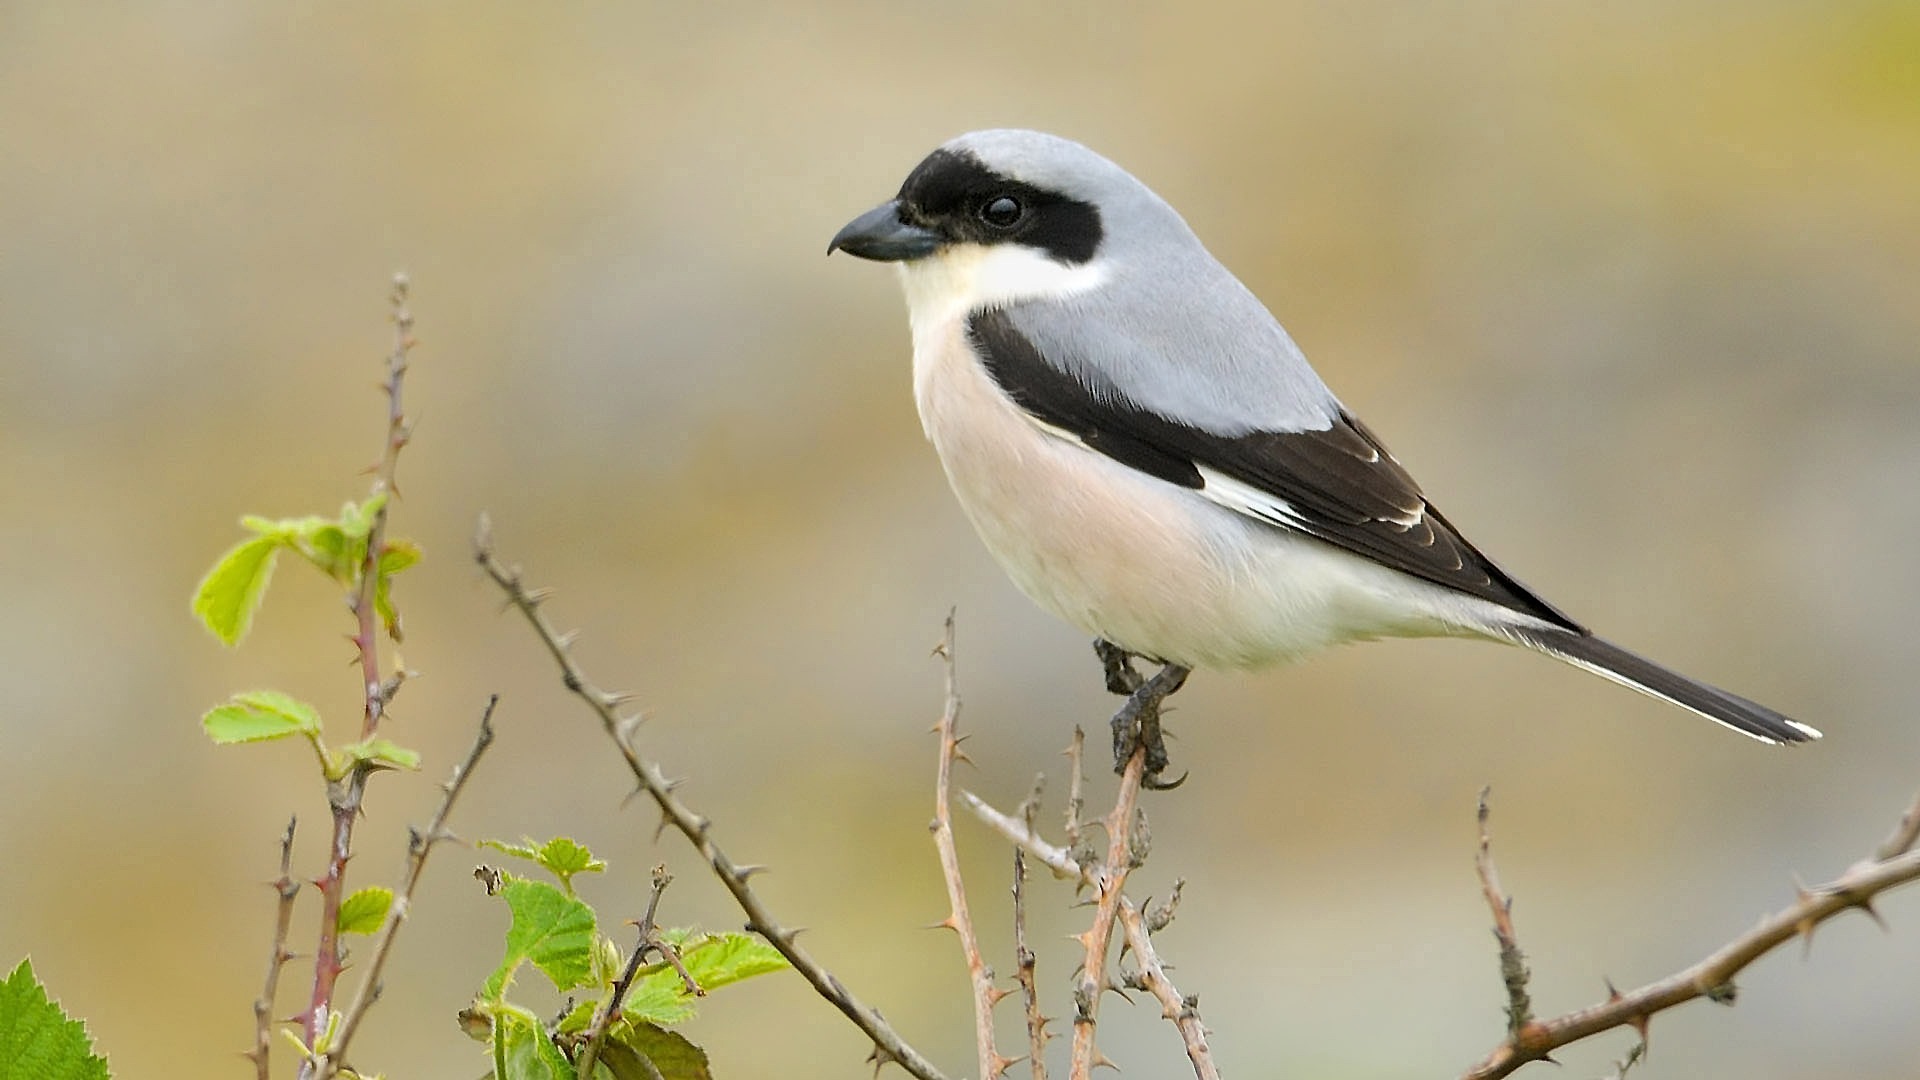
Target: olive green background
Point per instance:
(1633, 288)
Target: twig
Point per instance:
(1023, 956)
(1076, 780)
(1109, 881)
(647, 942)
(1904, 834)
(1513, 962)
(287, 890)
(959, 919)
(344, 796)
(1894, 863)
(889, 1046)
(419, 846)
(1183, 1012)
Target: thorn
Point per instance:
(1613, 992)
(996, 995)
(1865, 903)
(1002, 1064)
(1102, 1061)
(615, 698)
(945, 924)
(742, 873)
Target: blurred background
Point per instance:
(1633, 288)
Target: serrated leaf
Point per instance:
(579, 1018)
(259, 715)
(395, 556)
(522, 1050)
(562, 856)
(366, 910)
(518, 851)
(672, 1057)
(551, 930)
(381, 751)
(356, 519)
(38, 1040)
(231, 592)
(659, 995)
(728, 958)
(328, 547)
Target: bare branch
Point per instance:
(419, 846)
(1513, 962)
(1183, 1012)
(889, 1046)
(959, 919)
(1023, 955)
(288, 890)
(1712, 977)
(647, 942)
(1109, 880)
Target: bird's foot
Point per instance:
(1118, 664)
(1136, 727)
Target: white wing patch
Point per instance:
(1243, 498)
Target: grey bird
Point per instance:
(1150, 457)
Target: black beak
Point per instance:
(884, 235)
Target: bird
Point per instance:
(1150, 457)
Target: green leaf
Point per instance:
(383, 752)
(659, 996)
(231, 592)
(551, 929)
(258, 715)
(397, 555)
(728, 958)
(356, 519)
(366, 910)
(38, 1040)
(671, 1055)
(522, 1050)
(562, 856)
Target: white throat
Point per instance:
(964, 278)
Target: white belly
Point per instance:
(1148, 565)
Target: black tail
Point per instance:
(1610, 661)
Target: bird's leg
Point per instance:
(1118, 662)
(1137, 724)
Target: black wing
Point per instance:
(1339, 484)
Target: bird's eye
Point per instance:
(1002, 212)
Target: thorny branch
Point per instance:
(1023, 955)
(344, 796)
(1182, 1011)
(419, 846)
(1893, 863)
(287, 889)
(888, 1045)
(958, 919)
(1126, 849)
(1513, 962)
(648, 942)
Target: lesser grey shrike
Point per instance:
(1148, 454)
